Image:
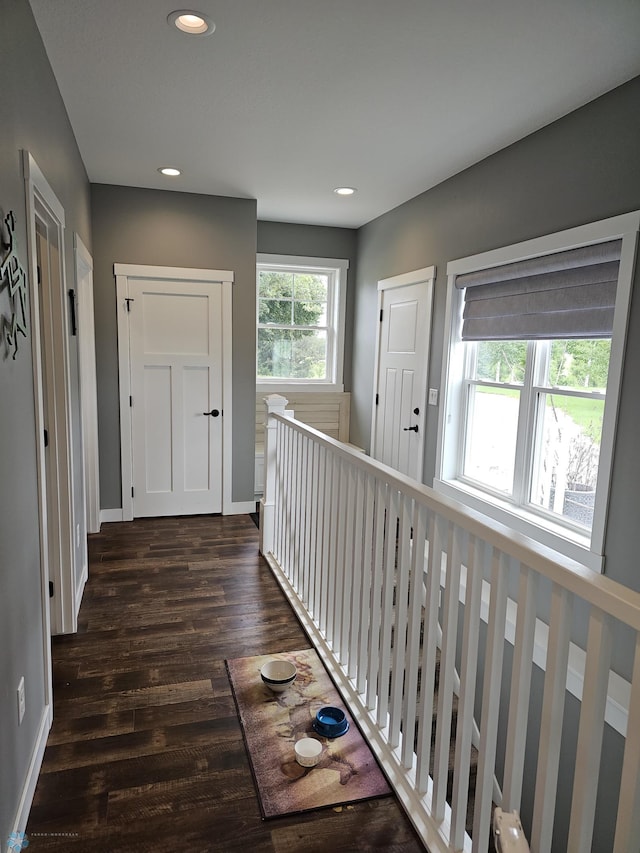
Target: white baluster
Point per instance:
(399, 654)
(410, 707)
(340, 508)
(376, 594)
(466, 702)
(628, 821)
(312, 510)
(368, 559)
(589, 748)
(455, 545)
(349, 506)
(494, 654)
(388, 582)
(355, 612)
(437, 534)
(520, 689)
(551, 723)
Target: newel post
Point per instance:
(274, 404)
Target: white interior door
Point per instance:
(175, 330)
(402, 363)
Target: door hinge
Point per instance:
(130, 400)
(129, 300)
(39, 275)
(377, 399)
(50, 589)
(46, 438)
(131, 491)
(381, 315)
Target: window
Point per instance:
(532, 377)
(300, 330)
(537, 408)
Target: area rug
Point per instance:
(273, 722)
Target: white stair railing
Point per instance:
(346, 537)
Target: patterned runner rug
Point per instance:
(273, 722)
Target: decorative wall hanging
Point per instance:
(14, 281)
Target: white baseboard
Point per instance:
(81, 585)
(234, 508)
(29, 787)
(240, 508)
(111, 515)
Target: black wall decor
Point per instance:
(13, 281)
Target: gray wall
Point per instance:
(317, 241)
(32, 117)
(163, 228)
(582, 168)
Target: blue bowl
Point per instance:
(331, 722)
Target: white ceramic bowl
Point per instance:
(308, 751)
(278, 674)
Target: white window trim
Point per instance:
(573, 545)
(333, 265)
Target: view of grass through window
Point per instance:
(568, 380)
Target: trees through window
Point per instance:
(300, 320)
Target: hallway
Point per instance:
(146, 752)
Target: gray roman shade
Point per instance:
(569, 294)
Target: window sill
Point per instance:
(295, 387)
(569, 543)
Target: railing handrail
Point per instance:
(618, 601)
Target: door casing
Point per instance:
(58, 525)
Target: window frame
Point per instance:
(336, 270)
(586, 549)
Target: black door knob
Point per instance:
(411, 429)
(213, 413)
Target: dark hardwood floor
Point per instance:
(146, 751)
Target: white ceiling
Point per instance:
(291, 98)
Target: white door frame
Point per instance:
(124, 272)
(88, 386)
(56, 522)
(425, 276)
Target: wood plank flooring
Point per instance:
(146, 751)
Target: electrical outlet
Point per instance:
(22, 702)
(433, 396)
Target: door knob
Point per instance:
(213, 413)
(411, 429)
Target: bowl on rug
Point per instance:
(331, 722)
(308, 751)
(278, 674)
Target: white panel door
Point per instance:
(401, 376)
(175, 330)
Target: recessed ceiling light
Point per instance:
(344, 190)
(194, 23)
(169, 171)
